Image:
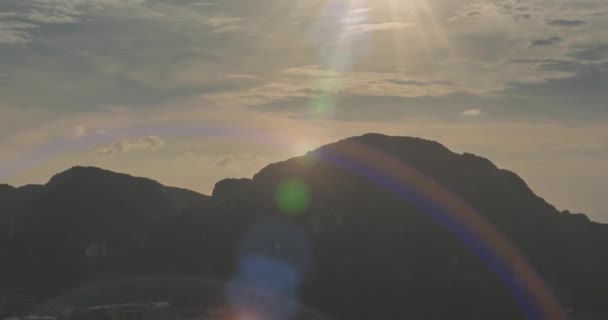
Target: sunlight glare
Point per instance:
(302, 147)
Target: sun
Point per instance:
(303, 146)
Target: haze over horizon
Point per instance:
(191, 92)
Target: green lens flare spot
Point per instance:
(293, 197)
(322, 105)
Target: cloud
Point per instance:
(125, 145)
(357, 22)
(582, 94)
(522, 16)
(181, 57)
(297, 85)
(471, 113)
(16, 26)
(421, 83)
(222, 162)
(546, 41)
(594, 52)
(565, 22)
(223, 24)
(243, 76)
(149, 32)
(52, 17)
(203, 4)
(360, 10)
(12, 32)
(80, 131)
(561, 65)
(515, 11)
(360, 28)
(312, 82)
(235, 161)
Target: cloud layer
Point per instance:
(157, 52)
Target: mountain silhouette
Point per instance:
(367, 227)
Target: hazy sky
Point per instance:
(189, 92)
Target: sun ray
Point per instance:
(396, 13)
(436, 30)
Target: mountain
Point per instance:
(367, 227)
(49, 230)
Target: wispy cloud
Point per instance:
(359, 28)
(203, 4)
(565, 22)
(472, 113)
(296, 83)
(243, 76)
(50, 17)
(126, 145)
(546, 41)
(233, 161)
(594, 52)
(224, 24)
(12, 32)
(421, 83)
(484, 9)
(357, 22)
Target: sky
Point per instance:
(189, 92)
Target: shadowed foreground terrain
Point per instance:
(350, 240)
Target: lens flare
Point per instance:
(293, 196)
(274, 258)
(535, 299)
